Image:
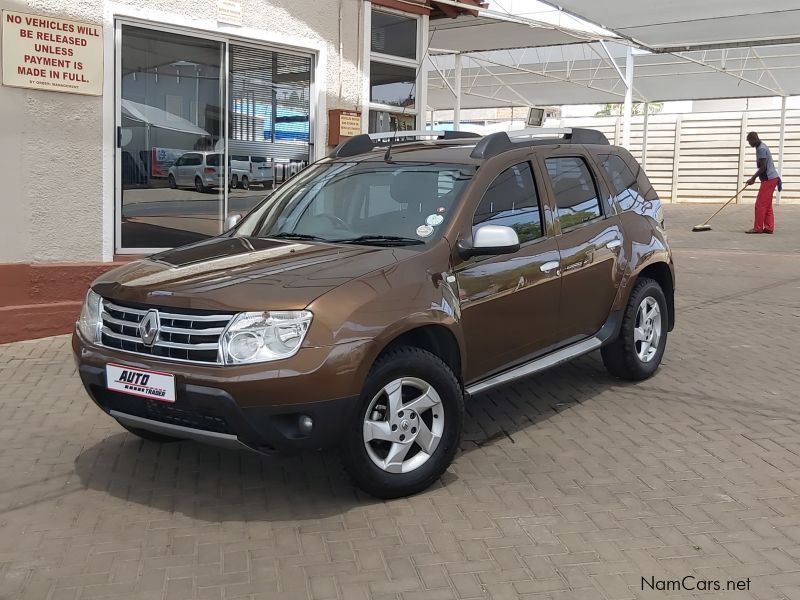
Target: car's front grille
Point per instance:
(186, 335)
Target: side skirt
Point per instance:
(607, 333)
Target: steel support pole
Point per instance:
(457, 103)
(628, 106)
(644, 134)
(780, 143)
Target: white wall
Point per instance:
(56, 149)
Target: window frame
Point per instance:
(420, 79)
(536, 188)
(552, 192)
(392, 58)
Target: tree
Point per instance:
(614, 110)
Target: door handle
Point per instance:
(614, 244)
(549, 266)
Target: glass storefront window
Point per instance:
(178, 174)
(392, 85)
(395, 35)
(170, 137)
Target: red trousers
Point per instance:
(765, 218)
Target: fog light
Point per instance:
(306, 424)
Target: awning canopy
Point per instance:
(585, 74)
(692, 24)
(156, 117)
(475, 34)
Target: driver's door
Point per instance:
(509, 303)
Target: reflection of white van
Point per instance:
(262, 170)
(200, 170)
(246, 170)
(239, 165)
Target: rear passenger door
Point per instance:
(509, 303)
(589, 240)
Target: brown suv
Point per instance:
(364, 300)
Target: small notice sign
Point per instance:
(349, 124)
(52, 54)
(342, 125)
(229, 11)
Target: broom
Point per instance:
(705, 226)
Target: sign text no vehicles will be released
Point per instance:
(52, 54)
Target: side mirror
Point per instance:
(489, 240)
(232, 220)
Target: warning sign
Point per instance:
(52, 54)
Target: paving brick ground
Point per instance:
(568, 485)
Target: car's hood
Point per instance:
(239, 273)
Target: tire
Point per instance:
(150, 436)
(245, 183)
(636, 359)
(234, 182)
(198, 185)
(172, 182)
(441, 412)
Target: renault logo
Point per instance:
(149, 327)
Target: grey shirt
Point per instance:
(762, 151)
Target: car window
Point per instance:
(214, 160)
(576, 194)
(258, 159)
(192, 160)
(343, 201)
(512, 201)
(180, 161)
(623, 182)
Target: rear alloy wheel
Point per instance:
(408, 424)
(234, 181)
(198, 185)
(636, 354)
(245, 183)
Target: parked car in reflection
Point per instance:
(246, 170)
(200, 170)
(261, 169)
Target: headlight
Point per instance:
(89, 321)
(262, 336)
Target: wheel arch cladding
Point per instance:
(661, 273)
(436, 339)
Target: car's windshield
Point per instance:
(363, 203)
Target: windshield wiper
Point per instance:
(389, 240)
(288, 235)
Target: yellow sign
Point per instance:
(52, 54)
(349, 124)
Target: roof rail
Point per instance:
(501, 141)
(359, 144)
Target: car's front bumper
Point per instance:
(236, 406)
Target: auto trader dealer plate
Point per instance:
(139, 382)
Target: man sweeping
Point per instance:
(768, 174)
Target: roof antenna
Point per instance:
(388, 156)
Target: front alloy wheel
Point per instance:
(407, 425)
(403, 425)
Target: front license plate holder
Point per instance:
(153, 385)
